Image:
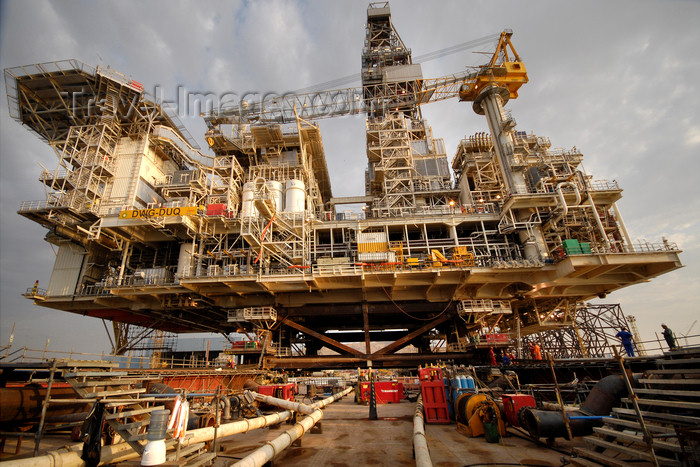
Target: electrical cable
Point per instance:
(414, 317)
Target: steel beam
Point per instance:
(396, 345)
(331, 342)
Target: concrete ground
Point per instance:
(349, 438)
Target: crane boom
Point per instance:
(501, 70)
(339, 102)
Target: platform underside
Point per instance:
(384, 311)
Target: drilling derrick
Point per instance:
(407, 168)
(152, 232)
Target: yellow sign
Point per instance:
(158, 212)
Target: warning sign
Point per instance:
(158, 212)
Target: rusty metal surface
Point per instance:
(21, 405)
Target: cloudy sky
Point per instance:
(618, 80)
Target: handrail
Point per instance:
(192, 155)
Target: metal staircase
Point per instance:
(659, 423)
(126, 411)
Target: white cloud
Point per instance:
(692, 136)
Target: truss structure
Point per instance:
(592, 335)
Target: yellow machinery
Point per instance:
(397, 248)
(461, 253)
(509, 74)
(474, 410)
(412, 262)
(437, 258)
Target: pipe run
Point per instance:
(122, 452)
(605, 395)
(227, 407)
(420, 443)
(272, 448)
(284, 404)
(562, 201)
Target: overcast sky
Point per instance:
(618, 80)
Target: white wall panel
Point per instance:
(66, 269)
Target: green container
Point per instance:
(491, 432)
(585, 248)
(570, 242)
(572, 246)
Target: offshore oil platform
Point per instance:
(511, 235)
(418, 280)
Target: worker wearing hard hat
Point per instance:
(670, 338)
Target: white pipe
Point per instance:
(598, 221)
(122, 452)
(272, 448)
(285, 404)
(329, 400)
(420, 443)
(623, 227)
(562, 201)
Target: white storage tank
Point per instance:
(248, 201)
(295, 196)
(276, 191)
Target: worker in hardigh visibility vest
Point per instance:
(537, 351)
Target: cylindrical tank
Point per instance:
(276, 191)
(295, 196)
(469, 382)
(248, 201)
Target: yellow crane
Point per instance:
(504, 70)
